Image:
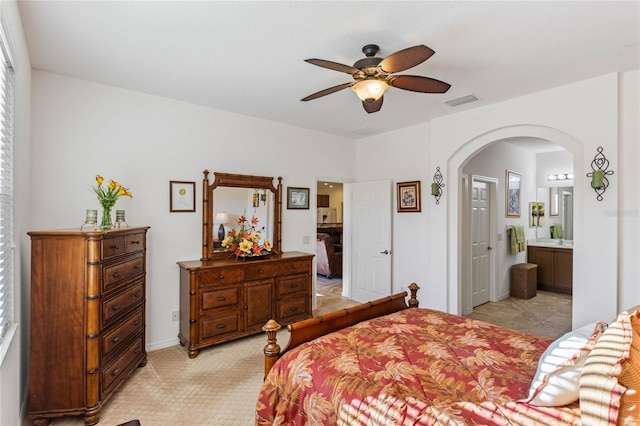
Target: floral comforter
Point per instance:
(413, 367)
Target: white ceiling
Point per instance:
(248, 57)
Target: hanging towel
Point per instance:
(514, 241)
(556, 230)
(520, 237)
(516, 233)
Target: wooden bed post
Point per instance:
(413, 300)
(272, 350)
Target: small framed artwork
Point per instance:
(182, 196)
(298, 198)
(512, 194)
(408, 196)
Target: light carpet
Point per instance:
(220, 386)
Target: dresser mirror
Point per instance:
(230, 196)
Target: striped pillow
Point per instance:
(630, 378)
(601, 381)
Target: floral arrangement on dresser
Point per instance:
(245, 242)
(107, 196)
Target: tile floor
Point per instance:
(547, 314)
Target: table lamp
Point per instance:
(221, 218)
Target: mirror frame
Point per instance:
(236, 181)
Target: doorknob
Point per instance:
(489, 248)
(384, 252)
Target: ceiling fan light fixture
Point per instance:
(370, 90)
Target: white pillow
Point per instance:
(557, 379)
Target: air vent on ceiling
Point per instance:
(461, 100)
(364, 131)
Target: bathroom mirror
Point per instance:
(560, 210)
(239, 195)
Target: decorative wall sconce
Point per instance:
(437, 185)
(599, 181)
(263, 197)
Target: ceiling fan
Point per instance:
(372, 75)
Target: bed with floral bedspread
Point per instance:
(412, 367)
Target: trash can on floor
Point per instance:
(524, 280)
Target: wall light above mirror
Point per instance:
(560, 176)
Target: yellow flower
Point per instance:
(245, 246)
(108, 197)
(226, 242)
(267, 244)
(255, 236)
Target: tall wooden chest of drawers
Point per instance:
(87, 319)
(222, 300)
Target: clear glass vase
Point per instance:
(106, 222)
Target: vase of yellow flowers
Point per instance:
(247, 241)
(108, 197)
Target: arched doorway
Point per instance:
(582, 254)
(487, 254)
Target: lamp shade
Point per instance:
(221, 218)
(370, 90)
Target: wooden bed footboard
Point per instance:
(309, 329)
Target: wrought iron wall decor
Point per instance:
(599, 181)
(437, 185)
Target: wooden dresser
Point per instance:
(87, 319)
(222, 300)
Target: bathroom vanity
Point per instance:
(555, 264)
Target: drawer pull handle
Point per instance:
(294, 266)
(116, 307)
(261, 271)
(221, 299)
(221, 276)
(294, 285)
(137, 351)
(116, 339)
(294, 309)
(137, 295)
(115, 246)
(135, 242)
(116, 274)
(137, 323)
(221, 326)
(136, 267)
(115, 372)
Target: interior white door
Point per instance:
(371, 236)
(480, 248)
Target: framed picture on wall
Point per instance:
(512, 194)
(298, 198)
(408, 196)
(182, 196)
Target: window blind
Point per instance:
(6, 189)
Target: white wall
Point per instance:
(13, 371)
(400, 156)
(143, 141)
(580, 117)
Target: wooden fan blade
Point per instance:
(328, 91)
(405, 59)
(333, 66)
(417, 83)
(373, 106)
